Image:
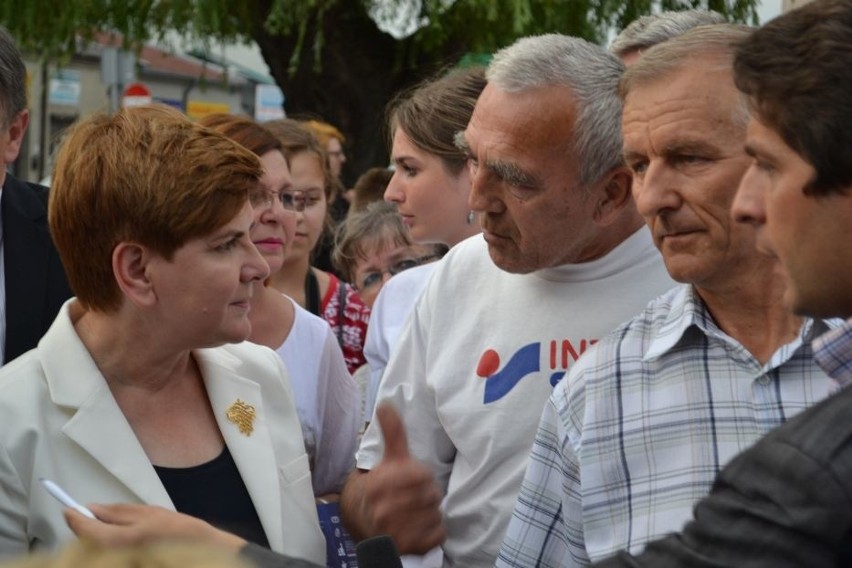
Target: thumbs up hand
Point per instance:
(401, 496)
(393, 433)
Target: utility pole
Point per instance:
(44, 124)
(118, 69)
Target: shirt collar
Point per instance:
(685, 310)
(833, 352)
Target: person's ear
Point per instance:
(130, 266)
(613, 196)
(15, 132)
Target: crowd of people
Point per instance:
(596, 312)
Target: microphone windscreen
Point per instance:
(377, 552)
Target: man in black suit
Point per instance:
(32, 281)
(787, 501)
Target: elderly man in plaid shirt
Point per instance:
(787, 502)
(637, 432)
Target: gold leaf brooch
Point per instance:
(243, 416)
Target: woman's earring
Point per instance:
(470, 218)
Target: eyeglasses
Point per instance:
(289, 200)
(374, 279)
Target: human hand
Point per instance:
(401, 496)
(131, 525)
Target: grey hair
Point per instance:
(716, 43)
(378, 223)
(13, 79)
(652, 29)
(590, 72)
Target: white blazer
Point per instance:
(59, 420)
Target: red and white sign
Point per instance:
(136, 94)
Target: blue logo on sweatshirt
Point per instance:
(525, 361)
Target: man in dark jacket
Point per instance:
(32, 281)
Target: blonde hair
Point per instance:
(323, 131)
(159, 555)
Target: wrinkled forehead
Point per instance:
(686, 99)
(529, 120)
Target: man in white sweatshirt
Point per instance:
(563, 258)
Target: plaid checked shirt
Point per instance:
(833, 352)
(637, 432)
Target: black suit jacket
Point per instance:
(784, 503)
(35, 280)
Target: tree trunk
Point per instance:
(358, 72)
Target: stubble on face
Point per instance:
(807, 235)
(524, 178)
(685, 149)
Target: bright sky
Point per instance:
(768, 9)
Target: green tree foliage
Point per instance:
(329, 56)
(53, 29)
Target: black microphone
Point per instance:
(377, 552)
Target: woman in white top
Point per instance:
(430, 186)
(327, 399)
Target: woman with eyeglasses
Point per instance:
(373, 245)
(327, 399)
(318, 291)
(430, 187)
